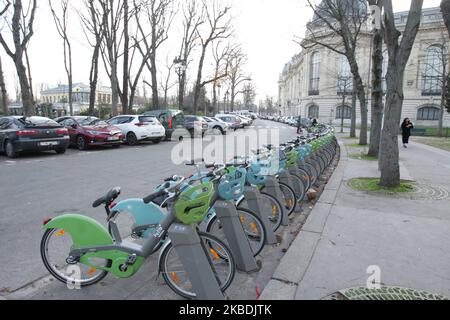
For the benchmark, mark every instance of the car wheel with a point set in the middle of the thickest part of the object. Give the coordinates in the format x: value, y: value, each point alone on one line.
x: 81, y: 143
x: 61, y: 151
x: 218, y: 130
x: 131, y: 139
x: 10, y: 150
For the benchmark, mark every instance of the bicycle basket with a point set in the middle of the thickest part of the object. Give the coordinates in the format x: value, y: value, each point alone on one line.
x: 231, y: 186
x: 193, y: 204
x: 254, y: 176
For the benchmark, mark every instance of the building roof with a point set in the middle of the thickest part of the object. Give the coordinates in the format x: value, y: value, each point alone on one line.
x: 77, y: 87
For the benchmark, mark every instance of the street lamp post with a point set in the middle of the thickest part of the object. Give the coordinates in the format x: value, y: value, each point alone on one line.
x: 180, y: 67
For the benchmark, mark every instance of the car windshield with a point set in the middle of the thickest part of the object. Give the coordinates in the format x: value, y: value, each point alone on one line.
x: 39, y: 122
x: 91, y: 122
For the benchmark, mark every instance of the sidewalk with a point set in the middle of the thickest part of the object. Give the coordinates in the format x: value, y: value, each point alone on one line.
x: 349, y: 231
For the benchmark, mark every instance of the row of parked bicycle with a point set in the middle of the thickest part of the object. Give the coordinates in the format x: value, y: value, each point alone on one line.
x: 35, y: 134
x: 139, y: 228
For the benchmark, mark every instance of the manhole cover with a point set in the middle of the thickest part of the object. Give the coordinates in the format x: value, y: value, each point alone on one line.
x: 385, y: 293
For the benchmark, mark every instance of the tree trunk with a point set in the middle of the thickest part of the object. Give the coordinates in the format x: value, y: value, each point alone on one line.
x: 399, y: 55
x: 181, y: 89
x: 93, y: 80
x: 198, y: 85
x: 445, y: 9
x: 155, y: 97
x: 342, y: 113
x: 361, y: 94
x: 389, y: 151
x: 353, y: 124
x: 377, y: 94
x: 3, y: 90
x: 126, y: 76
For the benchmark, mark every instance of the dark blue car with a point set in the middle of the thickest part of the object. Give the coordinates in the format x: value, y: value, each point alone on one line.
x: 19, y: 134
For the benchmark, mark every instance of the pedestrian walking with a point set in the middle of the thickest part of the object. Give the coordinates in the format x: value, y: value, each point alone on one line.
x: 299, y: 125
x: 315, y: 123
x: 407, y: 126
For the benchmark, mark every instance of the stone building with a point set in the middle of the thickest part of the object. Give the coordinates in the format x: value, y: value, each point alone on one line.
x: 314, y: 82
x: 59, y: 97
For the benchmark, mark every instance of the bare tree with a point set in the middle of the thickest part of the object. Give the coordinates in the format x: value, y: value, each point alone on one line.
x: 236, y: 75
x: 249, y: 93
x: 218, y: 28
x: 193, y: 18
x: 166, y: 83
x: 399, y: 53
x: 377, y: 108
x: 113, y: 11
x: 338, y: 25
x: 21, y: 27
x: 4, y: 93
x: 92, y: 23
x: 445, y: 9
x: 159, y: 15
x: 220, y: 54
x: 61, y: 22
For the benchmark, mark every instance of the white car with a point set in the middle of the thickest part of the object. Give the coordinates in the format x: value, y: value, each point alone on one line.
x: 216, y: 124
x: 139, y: 128
x: 246, y: 121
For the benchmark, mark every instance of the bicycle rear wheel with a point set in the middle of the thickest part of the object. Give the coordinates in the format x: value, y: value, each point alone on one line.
x: 222, y: 264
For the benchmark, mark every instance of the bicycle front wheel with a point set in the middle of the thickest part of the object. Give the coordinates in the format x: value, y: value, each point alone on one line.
x: 253, y: 227
x: 220, y: 258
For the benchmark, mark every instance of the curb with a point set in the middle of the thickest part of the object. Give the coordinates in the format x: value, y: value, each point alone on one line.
x: 294, y: 265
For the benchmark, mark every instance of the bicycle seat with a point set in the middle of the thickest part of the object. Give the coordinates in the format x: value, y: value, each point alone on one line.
x: 112, y: 195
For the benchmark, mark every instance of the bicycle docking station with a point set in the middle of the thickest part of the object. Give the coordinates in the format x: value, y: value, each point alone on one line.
x: 286, y: 178
x: 236, y: 238
x: 273, y: 188
x: 196, y: 262
x: 255, y: 203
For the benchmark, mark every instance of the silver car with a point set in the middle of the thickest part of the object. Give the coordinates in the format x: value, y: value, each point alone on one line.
x: 216, y: 125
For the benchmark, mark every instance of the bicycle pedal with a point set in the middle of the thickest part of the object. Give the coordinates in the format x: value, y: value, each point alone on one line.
x: 131, y: 260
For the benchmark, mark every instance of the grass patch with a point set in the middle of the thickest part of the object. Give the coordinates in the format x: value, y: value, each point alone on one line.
x: 372, y: 185
x: 440, y: 143
x: 363, y: 156
x: 356, y: 145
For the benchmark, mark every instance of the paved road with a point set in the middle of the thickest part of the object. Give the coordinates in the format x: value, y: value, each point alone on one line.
x: 38, y: 186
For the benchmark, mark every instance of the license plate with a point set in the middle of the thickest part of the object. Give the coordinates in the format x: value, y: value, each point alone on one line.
x: 113, y: 139
x: 47, y: 144
x: 156, y: 133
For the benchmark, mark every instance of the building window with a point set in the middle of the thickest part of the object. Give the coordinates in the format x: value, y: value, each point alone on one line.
x: 345, y: 78
x: 433, y: 67
x: 314, y: 74
x: 428, y: 113
x: 313, y: 112
x: 347, y: 112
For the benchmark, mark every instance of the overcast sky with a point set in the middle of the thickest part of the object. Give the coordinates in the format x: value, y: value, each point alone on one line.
x: 265, y: 28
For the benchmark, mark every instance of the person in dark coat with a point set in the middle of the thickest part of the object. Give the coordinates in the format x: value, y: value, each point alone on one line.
x: 407, y: 126
x: 315, y: 123
x: 299, y: 125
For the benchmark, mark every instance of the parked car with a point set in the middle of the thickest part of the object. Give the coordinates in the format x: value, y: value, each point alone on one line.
x: 246, y: 121
x: 18, y: 134
x: 139, y: 128
x: 217, y: 125
x: 86, y: 132
x: 197, y: 126
x: 173, y: 122
x: 234, y: 121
